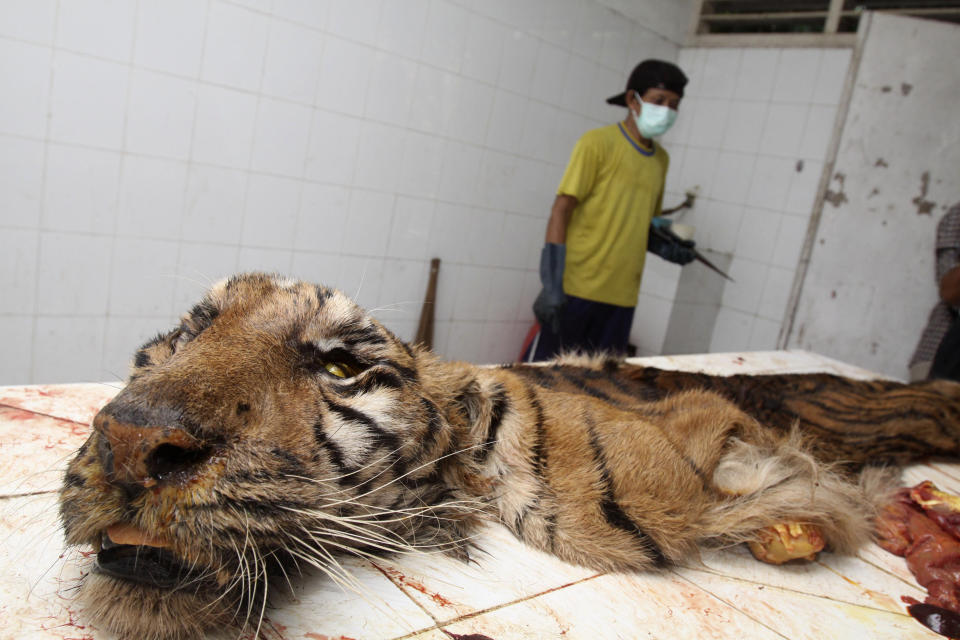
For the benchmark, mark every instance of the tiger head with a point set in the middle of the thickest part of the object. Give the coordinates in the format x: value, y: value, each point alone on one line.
x: 276, y: 426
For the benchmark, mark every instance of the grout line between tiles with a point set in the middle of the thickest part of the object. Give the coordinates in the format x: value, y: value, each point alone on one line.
x: 719, y: 574
x: 44, y: 175
x: 858, y: 585
x: 888, y: 572
x: 947, y: 471
x: 189, y: 164
x: 730, y: 604
x: 786, y: 590
x: 475, y: 614
x: 122, y: 168
x: 415, y: 601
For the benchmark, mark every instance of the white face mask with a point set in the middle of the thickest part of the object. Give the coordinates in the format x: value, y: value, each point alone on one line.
x: 654, y: 120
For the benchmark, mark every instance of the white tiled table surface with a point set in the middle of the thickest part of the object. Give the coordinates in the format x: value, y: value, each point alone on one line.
x: 508, y: 592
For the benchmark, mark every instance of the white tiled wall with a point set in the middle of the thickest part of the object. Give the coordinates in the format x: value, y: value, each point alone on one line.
x: 150, y: 147
x: 753, y: 133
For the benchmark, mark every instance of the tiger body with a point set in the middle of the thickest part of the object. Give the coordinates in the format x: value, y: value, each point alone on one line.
x: 279, y: 426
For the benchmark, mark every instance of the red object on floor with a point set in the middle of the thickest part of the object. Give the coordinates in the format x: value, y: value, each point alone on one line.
x: 528, y: 343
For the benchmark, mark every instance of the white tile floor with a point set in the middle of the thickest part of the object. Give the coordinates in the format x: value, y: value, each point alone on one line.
x: 509, y: 592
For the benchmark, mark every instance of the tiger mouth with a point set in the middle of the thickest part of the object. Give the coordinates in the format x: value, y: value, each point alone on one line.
x: 149, y: 562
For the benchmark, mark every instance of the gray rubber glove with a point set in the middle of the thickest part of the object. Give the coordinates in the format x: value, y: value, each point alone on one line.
x: 666, y: 244
x: 550, y: 302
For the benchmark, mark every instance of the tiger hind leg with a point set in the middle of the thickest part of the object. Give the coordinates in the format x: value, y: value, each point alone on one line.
x: 779, y: 497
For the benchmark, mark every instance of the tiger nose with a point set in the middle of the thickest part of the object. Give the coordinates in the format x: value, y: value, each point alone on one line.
x: 136, y: 457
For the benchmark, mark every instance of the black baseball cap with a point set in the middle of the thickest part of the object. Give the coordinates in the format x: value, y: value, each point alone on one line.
x: 657, y: 74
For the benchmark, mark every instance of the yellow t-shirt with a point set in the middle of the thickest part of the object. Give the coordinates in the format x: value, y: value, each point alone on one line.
x: 619, y: 189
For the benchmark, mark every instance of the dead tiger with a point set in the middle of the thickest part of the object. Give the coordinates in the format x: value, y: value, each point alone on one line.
x: 279, y: 425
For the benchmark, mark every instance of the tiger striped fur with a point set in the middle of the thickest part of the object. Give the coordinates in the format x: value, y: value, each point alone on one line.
x: 279, y: 425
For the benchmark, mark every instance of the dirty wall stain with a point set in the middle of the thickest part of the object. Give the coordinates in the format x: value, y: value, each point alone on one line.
x: 838, y: 197
x: 924, y: 206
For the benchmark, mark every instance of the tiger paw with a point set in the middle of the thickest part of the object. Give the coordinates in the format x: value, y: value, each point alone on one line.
x: 789, y: 541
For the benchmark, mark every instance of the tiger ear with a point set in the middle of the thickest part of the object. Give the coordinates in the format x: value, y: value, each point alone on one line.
x: 472, y: 402
x: 470, y: 397
x: 154, y: 351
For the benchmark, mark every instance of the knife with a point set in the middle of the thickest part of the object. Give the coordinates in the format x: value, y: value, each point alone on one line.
x: 667, y: 235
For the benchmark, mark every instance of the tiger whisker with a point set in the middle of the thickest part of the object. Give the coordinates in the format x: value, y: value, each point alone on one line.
x: 389, y: 454
x: 333, y: 563
x: 236, y: 581
x: 379, y: 541
x: 252, y: 569
x: 247, y: 584
x: 228, y: 588
x: 320, y: 548
x: 185, y: 278
x: 286, y: 577
x: 408, y: 473
x: 354, y: 526
x: 390, y: 306
x: 377, y: 461
x: 330, y: 567
x: 397, y: 544
x: 346, y: 475
x: 266, y: 588
x: 241, y: 579
x: 112, y: 385
x: 363, y: 523
x: 464, y: 506
x: 360, y: 552
x: 407, y: 547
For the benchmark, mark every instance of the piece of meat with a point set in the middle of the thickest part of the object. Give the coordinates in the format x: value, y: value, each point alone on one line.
x: 942, y: 508
x: 932, y: 554
x: 891, y: 524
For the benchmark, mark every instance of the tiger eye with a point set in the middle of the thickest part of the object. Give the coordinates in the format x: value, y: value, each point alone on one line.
x: 336, y: 369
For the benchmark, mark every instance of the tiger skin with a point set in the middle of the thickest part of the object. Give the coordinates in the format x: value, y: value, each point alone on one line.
x: 279, y: 425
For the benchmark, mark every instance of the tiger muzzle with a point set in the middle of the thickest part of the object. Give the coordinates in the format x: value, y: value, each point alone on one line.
x: 142, y: 456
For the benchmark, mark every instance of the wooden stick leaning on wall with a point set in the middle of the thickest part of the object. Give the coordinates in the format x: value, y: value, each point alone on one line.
x: 425, y: 330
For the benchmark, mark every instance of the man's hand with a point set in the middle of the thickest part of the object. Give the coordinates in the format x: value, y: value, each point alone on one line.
x: 669, y: 246
x: 550, y: 302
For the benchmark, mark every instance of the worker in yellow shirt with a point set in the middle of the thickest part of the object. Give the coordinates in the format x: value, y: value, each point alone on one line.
x: 598, y: 233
